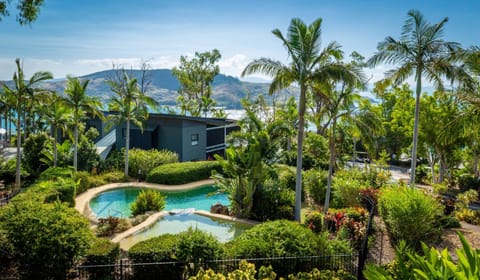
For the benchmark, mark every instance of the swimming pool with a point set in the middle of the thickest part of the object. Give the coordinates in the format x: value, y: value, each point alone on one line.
x: 117, y: 202
x: 223, y: 230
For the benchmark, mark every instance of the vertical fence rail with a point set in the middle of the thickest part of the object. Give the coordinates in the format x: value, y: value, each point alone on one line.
x: 362, y: 258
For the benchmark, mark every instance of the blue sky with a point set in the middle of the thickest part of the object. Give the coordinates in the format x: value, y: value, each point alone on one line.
x: 80, y: 37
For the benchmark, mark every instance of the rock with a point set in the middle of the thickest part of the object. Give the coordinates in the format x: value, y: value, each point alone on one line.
x: 219, y: 209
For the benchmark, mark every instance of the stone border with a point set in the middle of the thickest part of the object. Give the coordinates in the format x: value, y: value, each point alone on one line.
x: 82, y: 201
x: 82, y: 205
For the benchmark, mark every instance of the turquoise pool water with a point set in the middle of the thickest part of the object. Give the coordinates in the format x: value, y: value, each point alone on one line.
x: 223, y: 230
x: 117, y: 202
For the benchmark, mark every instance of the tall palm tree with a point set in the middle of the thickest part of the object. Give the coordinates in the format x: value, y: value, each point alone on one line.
x: 81, y: 104
x: 131, y: 104
x: 55, y: 113
x: 19, y: 93
x: 303, y: 47
x: 421, y: 51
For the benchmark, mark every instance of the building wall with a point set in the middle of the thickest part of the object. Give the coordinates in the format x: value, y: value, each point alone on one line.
x: 169, y: 135
x: 193, y: 150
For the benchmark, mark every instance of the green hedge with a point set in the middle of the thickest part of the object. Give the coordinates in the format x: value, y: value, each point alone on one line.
x: 182, y: 172
x: 157, y: 249
x: 141, y: 162
x: 102, y: 252
x: 62, y: 189
x: 88, y: 181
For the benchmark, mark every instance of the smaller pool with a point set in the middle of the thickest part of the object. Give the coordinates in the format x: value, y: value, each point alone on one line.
x: 117, y: 202
x: 223, y: 230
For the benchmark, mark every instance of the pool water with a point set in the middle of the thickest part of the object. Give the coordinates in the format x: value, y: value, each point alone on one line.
x: 223, y: 230
x: 117, y: 202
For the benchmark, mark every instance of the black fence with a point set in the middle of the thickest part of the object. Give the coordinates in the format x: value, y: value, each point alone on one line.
x: 126, y: 270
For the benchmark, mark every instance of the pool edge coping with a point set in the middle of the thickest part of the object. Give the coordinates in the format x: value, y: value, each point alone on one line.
x: 82, y: 201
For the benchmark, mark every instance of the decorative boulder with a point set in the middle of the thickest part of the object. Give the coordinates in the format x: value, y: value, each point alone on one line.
x: 219, y: 209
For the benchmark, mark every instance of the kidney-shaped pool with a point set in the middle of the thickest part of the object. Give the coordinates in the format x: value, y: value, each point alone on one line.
x: 116, y: 202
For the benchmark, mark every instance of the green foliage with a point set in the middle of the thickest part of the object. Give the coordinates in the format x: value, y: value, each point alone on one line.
x: 88, y: 181
x: 141, y: 162
x: 281, y: 238
x: 33, y: 149
x: 409, y: 214
x: 114, y: 161
x: 182, y: 172
x: 315, y: 183
x: 196, y: 246
x: 314, y: 221
x: 273, y: 201
x: 345, y: 192
x: 196, y: 77
x: 8, y: 170
x: 110, y: 225
x: 431, y: 264
x: 157, y: 249
x: 102, y: 252
x: 467, y: 182
x: 53, y: 173
x: 316, y: 274
x: 61, y: 189
x: 147, y: 200
x: 350, y: 224
x: 87, y: 152
x: 47, y: 239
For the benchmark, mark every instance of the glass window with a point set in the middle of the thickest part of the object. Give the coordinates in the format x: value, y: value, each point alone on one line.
x: 194, y: 139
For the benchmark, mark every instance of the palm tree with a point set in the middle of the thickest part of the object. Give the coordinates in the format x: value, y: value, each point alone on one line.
x: 131, y: 104
x: 420, y: 51
x: 19, y: 94
x: 303, y: 47
x: 81, y: 104
x: 58, y: 116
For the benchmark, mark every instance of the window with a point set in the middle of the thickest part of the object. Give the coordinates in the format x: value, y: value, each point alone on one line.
x: 194, y: 139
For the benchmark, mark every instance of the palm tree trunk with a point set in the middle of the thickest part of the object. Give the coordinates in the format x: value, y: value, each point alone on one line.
x: 415, y: 126
x: 330, y: 168
x: 19, y: 144
x: 55, y: 132
x: 301, y: 125
x: 75, y: 148
x: 127, y: 145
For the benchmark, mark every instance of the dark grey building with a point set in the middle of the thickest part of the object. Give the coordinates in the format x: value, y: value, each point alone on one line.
x: 192, y: 138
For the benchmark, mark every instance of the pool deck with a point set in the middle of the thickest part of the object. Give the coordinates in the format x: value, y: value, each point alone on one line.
x: 82, y: 205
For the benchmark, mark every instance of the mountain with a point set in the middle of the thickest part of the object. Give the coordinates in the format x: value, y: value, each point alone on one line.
x: 227, y: 90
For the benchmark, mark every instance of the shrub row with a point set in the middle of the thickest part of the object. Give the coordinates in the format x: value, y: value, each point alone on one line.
x: 182, y: 172
x: 141, y: 162
x: 269, y: 239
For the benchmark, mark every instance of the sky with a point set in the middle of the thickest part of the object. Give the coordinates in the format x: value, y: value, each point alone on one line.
x: 76, y: 38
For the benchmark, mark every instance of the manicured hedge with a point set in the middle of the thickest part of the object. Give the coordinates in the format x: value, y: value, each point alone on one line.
x: 182, y: 172
x: 157, y: 249
x: 102, y: 252
x: 88, y: 181
x: 49, y: 191
x: 141, y: 162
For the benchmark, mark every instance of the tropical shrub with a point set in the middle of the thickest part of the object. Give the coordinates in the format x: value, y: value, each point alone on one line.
x: 409, y: 214
x: 314, y: 221
x: 349, y: 224
x: 114, y: 161
x: 102, y: 252
x: 141, y: 162
x: 467, y: 182
x: 369, y: 196
x: 110, y: 225
x: 273, y: 201
x: 315, y: 183
x: 196, y: 246
x: 182, y: 172
x: 87, y: 151
x: 345, y: 192
x: 431, y: 264
x: 147, y: 200
x: 32, y: 153
x: 157, y: 249
x: 8, y: 170
x: 47, y: 239
x: 61, y: 189
x: 53, y: 173
x: 87, y: 181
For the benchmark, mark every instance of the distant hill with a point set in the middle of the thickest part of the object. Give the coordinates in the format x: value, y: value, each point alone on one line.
x: 227, y: 90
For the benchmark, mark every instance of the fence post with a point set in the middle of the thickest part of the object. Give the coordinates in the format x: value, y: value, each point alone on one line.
x: 362, y: 258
